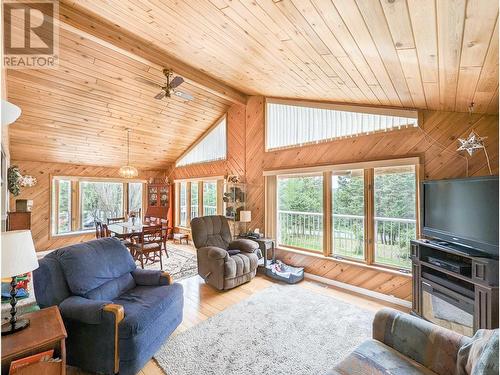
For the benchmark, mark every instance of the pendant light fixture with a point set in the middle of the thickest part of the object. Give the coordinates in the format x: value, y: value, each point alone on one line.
x: 128, y: 171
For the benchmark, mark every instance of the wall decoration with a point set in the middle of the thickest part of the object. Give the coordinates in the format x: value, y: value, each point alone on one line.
x: 27, y: 181
x: 13, y: 180
x: 233, y: 179
x: 16, y: 180
x: 473, y: 142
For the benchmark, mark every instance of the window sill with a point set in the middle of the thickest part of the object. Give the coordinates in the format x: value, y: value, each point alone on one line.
x: 346, y: 261
x: 71, y: 234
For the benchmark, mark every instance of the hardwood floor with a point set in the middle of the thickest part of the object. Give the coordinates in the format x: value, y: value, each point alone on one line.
x: 202, y: 301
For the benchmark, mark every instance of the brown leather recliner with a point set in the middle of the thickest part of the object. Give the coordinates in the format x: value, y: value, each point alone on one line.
x: 212, y: 238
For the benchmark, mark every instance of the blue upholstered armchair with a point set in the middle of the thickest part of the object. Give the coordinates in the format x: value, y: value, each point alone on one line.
x: 116, y: 315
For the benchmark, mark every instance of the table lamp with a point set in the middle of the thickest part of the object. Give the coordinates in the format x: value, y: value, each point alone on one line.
x: 245, y: 217
x: 18, y: 257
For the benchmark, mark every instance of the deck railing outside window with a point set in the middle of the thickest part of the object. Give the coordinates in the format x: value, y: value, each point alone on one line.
x: 301, y: 229
x: 209, y: 210
x: 183, y: 215
x: 348, y: 235
x: 393, y: 240
x: 194, y: 211
x: 305, y: 230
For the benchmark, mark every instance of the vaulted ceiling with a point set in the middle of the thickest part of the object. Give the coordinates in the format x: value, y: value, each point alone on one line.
x: 428, y: 54
x: 436, y: 54
x: 79, y: 112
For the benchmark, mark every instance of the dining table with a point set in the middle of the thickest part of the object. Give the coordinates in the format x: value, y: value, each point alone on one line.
x: 127, y: 229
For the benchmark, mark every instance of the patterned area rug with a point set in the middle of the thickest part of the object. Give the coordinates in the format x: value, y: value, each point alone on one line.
x: 281, y: 330
x: 180, y: 264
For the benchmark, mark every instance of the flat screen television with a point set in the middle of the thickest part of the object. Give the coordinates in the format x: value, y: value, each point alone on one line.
x: 462, y: 211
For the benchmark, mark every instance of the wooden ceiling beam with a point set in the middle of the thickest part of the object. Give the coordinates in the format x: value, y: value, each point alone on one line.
x: 90, y: 26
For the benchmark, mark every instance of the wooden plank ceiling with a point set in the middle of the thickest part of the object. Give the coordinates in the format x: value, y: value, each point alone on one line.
x: 79, y: 112
x: 429, y: 54
x: 425, y: 54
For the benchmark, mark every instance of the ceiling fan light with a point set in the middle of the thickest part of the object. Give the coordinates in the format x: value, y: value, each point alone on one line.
x: 128, y: 171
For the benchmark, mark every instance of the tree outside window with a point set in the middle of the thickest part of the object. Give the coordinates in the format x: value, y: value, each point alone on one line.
x: 100, y: 201
x: 300, y: 212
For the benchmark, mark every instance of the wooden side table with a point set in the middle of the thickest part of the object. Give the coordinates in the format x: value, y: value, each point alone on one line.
x: 45, y: 332
x: 265, y: 244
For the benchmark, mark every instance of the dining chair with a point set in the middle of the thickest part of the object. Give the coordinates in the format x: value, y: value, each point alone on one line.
x: 105, y: 231
x: 148, y: 244
x: 112, y: 220
x: 136, y: 213
x: 98, y: 228
x: 151, y: 220
x: 165, y: 228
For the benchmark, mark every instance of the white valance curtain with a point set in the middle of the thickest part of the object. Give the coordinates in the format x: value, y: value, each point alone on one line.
x: 288, y: 124
x: 212, y: 147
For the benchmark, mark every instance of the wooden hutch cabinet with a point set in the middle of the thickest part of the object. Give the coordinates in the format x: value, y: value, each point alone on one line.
x: 158, y: 200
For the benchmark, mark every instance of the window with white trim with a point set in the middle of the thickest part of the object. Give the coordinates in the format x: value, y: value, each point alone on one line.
x: 289, y: 124
x: 209, y: 198
x: 77, y: 202
x: 212, y: 147
x: 363, y: 212
x: 183, y: 204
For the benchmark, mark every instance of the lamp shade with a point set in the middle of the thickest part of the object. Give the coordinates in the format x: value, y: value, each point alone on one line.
x: 245, y: 216
x: 18, y: 253
x: 10, y: 112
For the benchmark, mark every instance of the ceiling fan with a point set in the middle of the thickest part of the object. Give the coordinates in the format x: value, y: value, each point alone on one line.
x: 170, y: 86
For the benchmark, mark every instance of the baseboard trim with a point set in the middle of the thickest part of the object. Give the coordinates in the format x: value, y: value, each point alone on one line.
x: 359, y: 290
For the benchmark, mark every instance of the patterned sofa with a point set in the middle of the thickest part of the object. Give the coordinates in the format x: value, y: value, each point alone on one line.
x: 406, y: 345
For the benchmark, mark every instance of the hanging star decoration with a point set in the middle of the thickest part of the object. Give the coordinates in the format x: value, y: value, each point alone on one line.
x: 473, y: 143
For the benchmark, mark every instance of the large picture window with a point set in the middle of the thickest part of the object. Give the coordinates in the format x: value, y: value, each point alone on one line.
x: 77, y: 202
x: 364, y: 212
x: 100, y: 200
x: 64, y: 207
x: 195, y: 198
x: 395, y: 218
x: 348, y: 213
x: 209, y: 198
x: 183, y: 204
x: 135, y: 197
x: 300, y: 212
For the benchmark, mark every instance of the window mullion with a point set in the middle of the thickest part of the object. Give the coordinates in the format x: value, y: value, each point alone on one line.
x: 369, y: 217
x: 218, y: 197
x: 125, y: 200
x: 178, y: 203
x: 327, y: 214
x: 200, y: 198
x: 188, y: 204
x: 75, y: 206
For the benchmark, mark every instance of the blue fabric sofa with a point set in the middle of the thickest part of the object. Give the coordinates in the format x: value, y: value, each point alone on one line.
x: 116, y: 315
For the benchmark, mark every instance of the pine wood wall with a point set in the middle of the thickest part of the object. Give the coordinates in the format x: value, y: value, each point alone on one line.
x: 40, y: 194
x: 435, y: 143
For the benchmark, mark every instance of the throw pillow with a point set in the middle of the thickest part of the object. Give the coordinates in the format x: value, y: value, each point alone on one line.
x: 480, y: 355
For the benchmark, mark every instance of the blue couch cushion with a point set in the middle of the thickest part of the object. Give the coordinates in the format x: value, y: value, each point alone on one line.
x: 113, y: 288
x: 143, y: 306
x: 49, y: 282
x: 91, y: 264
